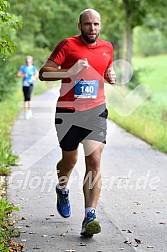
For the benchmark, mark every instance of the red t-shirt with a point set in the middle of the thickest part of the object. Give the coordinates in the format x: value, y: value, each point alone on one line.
x: 84, y: 90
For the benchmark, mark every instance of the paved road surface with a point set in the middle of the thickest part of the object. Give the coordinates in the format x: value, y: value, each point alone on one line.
x: 132, y: 207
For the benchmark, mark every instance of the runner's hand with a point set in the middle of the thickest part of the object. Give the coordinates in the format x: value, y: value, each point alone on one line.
x: 110, y: 75
x: 78, y: 66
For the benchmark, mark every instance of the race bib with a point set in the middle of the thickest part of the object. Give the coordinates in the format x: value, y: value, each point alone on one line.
x: 86, y: 89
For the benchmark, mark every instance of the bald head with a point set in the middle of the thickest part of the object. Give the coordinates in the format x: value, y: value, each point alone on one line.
x: 88, y: 11
x: 89, y: 25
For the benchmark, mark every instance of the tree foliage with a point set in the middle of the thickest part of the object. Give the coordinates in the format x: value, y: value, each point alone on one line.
x: 46, y: 24
x: 8, y: 24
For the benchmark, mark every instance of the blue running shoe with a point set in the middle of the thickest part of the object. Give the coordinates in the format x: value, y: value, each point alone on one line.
x: 63, y: 203
x: 90, y: 225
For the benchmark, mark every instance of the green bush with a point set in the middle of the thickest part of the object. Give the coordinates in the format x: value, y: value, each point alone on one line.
x: 39, y: 55
x: 149, y: 42
x: 7, y: 79
x: 7, y: 229
x: 6, y: 157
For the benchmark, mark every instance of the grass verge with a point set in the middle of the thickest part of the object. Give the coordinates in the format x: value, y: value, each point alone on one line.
x: 9, y: 110
x: 149, y: 121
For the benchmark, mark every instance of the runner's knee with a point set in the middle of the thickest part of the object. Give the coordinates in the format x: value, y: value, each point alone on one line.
x: 93, y: 163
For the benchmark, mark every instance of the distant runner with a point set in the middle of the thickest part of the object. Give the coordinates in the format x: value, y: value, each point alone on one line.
x: 29, y: 73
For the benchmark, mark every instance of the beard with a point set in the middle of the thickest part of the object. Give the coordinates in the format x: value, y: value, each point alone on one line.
x: 88, y: 39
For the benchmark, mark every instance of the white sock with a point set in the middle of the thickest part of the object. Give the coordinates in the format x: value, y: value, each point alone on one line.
x: 89, y: 209
x: 63, y: 189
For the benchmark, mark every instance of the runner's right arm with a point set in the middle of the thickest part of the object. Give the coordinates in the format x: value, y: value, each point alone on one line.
x: 51, y: 71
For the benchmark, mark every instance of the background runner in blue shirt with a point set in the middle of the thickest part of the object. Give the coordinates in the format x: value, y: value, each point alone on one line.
x: 29, y: 73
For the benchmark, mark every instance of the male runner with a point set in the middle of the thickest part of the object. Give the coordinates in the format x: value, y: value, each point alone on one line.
x: 82, y: 62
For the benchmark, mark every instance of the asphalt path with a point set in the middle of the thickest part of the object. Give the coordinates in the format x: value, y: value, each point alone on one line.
x: 132, y: 207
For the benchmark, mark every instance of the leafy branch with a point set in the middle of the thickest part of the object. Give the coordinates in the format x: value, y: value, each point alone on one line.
x: 8, y: 24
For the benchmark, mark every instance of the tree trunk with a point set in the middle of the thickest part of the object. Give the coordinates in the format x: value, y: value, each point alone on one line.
x: 127, y: 42
x: 117, y: 50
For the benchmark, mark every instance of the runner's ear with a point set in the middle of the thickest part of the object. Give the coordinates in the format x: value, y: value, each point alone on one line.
x: 79, y: 26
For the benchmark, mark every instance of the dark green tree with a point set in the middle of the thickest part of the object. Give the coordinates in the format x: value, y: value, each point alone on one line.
x: 8, y: 25
x: 44, y: 24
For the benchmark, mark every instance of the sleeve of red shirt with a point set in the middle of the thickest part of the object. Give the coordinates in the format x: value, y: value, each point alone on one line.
x: 60, y: 52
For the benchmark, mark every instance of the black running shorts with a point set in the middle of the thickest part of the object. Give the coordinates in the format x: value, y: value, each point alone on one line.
x: 74, y: 126
x: 27, y: 92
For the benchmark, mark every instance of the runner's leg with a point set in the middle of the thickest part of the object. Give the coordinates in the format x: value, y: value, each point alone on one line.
x: 92, y: 180
x: 65, y: 166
